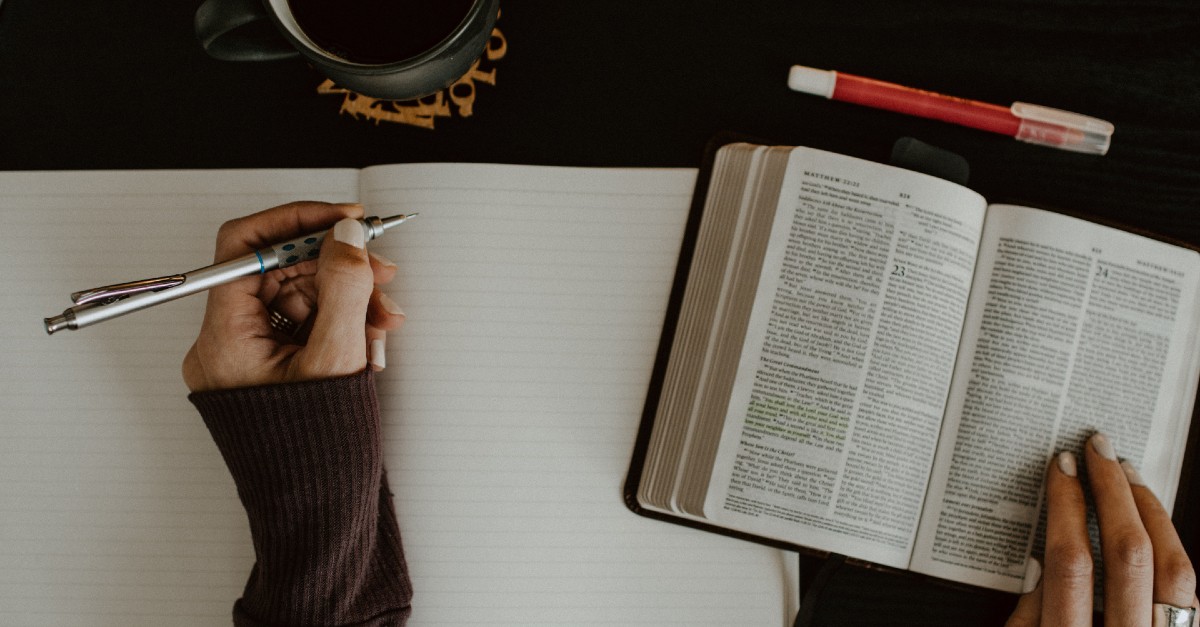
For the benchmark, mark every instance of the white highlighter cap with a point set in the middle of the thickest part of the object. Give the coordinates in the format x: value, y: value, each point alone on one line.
x: 812, y: 81
x: 1062, y: 129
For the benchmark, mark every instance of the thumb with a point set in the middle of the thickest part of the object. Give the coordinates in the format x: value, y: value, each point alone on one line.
x: 337, y: 343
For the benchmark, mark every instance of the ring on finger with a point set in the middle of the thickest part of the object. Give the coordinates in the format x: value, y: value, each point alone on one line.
x: 1166, y: 615
x: 282, y: 323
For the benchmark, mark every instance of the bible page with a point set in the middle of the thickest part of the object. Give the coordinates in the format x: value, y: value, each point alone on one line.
x: 1073, y: 328
x: 840, y: 391
x: 535, y: 300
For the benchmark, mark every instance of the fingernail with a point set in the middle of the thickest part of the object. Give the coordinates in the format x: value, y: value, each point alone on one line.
x: 390, y: 305
x: 383, y: 261
x: 350, y: 231
x: 1132, y: 474
x: 1033, y: 575
x: 1066, y: 463
x: 378, y: 354
x: 1104, y: 447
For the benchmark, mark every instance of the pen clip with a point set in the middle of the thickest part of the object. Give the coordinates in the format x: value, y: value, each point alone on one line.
x: 110, y: 293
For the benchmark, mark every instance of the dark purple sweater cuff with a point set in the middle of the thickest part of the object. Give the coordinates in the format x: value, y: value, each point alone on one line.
x: 308, y: 463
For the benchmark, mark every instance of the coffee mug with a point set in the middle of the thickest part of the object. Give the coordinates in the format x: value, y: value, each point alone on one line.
x: 390, y: 49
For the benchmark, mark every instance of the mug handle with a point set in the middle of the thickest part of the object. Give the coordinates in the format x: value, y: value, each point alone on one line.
x: 240, y: 30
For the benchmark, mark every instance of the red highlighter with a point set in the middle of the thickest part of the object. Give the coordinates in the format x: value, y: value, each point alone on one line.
x: 1027, y: 122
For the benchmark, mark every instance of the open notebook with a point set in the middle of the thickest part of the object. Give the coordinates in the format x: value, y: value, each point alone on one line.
x: 535, y: 298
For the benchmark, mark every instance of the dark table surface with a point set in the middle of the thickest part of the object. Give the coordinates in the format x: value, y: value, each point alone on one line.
x: 124, y: 85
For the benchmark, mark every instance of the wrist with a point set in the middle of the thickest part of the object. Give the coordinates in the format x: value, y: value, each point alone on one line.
x: 286, y: 444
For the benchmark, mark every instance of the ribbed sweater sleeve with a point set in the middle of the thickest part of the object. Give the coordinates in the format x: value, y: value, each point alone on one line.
x: 307, y: 460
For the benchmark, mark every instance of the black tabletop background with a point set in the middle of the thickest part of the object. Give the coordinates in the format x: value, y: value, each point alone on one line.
x: 122, y: 84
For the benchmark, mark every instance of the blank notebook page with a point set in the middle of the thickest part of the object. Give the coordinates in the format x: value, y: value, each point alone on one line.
x: 535, y: 299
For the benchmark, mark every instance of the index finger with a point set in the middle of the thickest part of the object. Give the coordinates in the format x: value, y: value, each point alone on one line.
x: 249, y: 233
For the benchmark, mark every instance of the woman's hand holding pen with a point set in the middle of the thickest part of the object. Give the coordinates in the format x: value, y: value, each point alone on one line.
x: 341, y: 316
x: 1145, y: 564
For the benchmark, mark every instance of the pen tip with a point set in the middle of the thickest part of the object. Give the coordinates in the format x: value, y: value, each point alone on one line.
x: 391, y: 221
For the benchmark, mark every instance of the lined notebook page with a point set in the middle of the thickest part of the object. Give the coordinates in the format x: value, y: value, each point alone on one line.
x: 535, y: 299
x: 115, y: 506
x: 534, y: 302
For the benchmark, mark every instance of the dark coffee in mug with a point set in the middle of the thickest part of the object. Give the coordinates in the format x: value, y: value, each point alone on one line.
x: 378, y: 31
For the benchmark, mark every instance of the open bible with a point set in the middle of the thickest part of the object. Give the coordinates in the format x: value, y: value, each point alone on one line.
x: 871, y: 361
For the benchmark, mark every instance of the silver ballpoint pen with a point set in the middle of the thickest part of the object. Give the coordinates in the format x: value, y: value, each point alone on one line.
x: 107, y: 302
